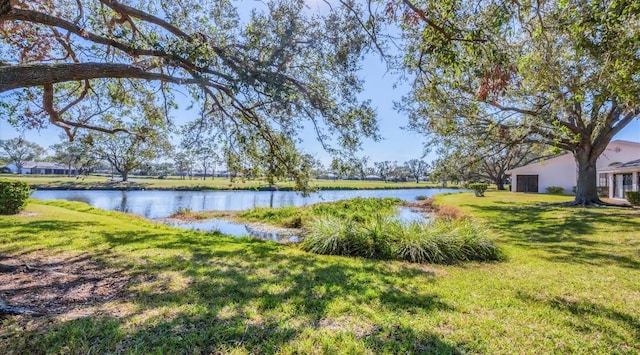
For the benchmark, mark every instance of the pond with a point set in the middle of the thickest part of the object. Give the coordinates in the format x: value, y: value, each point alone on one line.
x: 159, y: 204
x: 239, y: 229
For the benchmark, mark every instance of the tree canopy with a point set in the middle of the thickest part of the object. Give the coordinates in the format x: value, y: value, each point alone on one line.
x: 20, y: 151
x: 96, y: 64
x: 565, y: 73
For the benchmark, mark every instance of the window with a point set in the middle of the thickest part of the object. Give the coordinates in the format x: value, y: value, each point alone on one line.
x: 627, y: 182
x: 603, y: 179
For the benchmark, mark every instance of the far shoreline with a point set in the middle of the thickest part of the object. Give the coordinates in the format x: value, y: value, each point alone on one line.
x: 175, y: 183
x: 261, y: 188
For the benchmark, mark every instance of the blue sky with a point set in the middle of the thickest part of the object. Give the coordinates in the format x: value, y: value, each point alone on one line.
x: 397, y: 144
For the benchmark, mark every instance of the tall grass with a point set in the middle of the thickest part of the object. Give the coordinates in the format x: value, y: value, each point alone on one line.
x: 357, y: 210
x: 442, y: 241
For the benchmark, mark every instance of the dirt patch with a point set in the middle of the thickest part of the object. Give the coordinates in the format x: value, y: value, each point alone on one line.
x: 61, y: 286
x: 27, y: 214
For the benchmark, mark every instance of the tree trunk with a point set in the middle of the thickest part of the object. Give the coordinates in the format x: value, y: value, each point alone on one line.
x: 417, y: 179
x: 125, y: 176
x: 586, y: 187
x: 499, y: 183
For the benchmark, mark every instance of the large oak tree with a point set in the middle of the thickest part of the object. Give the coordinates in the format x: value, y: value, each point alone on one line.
x: 261, y: 77
x: 565, y: 73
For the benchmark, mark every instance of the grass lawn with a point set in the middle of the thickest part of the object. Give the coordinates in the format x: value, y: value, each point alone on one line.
x: 173, y: 182
x: 570, y: 285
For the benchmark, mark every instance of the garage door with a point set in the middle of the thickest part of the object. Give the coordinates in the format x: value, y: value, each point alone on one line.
x: 527, y: 183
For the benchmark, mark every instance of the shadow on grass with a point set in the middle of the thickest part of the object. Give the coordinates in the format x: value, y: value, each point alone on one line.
x: 587, y: 317
x: 208, y: 293
x: 569, y: 234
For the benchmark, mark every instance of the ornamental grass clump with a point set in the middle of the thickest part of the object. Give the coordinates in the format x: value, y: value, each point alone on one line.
x: 441, y: 241
x: 332, y: 236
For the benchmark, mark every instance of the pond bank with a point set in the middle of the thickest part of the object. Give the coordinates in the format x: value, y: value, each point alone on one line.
x: 142, y: 187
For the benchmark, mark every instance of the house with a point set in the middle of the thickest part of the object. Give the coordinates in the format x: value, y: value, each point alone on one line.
x: 612, y: 169
x: 44, y: 168
x: 623, y: 177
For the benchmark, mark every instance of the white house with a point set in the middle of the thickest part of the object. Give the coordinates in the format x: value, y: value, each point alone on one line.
x: 33, y: 167
x: 623, y: 177
x: 562, y: 171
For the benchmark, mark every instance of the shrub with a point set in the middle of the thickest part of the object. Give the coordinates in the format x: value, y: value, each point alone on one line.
x: 332, y: 236
x: 633, y: 197
x: 443, y: 241
x: 422, y: 198
x: 603, y: 191
x: 478, y: 189
x: 13, y: 196
x: 181, y: 212
x: 555, y: 190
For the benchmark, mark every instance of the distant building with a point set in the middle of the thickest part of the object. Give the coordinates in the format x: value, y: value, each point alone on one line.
x: 36, y: 167
x: 618, y: 169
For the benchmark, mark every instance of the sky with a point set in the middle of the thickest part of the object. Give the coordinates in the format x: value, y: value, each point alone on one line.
x: 381, y: 87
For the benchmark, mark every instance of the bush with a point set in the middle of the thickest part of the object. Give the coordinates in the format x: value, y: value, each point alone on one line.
x: 182, y: 211
x: 478, y: 189
x: 555, y: 190
x: 422, y: 197
x: 633, y: 197
x: 13, y: 196
x: 443, y: 241
x: 603, y: 191
x: 331, y: 236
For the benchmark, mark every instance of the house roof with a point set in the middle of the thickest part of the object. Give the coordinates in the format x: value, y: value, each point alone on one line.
x: 633, y: 165
x: 42, y: 165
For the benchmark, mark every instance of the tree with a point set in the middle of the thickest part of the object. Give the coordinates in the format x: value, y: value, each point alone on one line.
x: 352, y: 166
x: 127, y: 152
x: 183, y: 164
x: 561, y: 73
x: 19, y: 151
x: 416, y: 168
x: 255, y: 78
x: 199, y: 138
x: 73, y: 154
x: 383, y: 169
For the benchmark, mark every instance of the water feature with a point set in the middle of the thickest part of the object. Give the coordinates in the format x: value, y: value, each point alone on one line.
x: 235, y: 229
x: 158, y: 204
x: 155, y: 204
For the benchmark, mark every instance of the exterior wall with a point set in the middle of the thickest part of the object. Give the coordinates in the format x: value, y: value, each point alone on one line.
x: 562, y: 171
x: 37, y: 170
x: 618, y: 151
x: 559, y: 171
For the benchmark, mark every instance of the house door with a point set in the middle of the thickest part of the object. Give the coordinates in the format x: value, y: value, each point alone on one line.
x: 527, y: 183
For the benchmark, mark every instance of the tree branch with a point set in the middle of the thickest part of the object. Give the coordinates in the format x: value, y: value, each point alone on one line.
x: 27, y: 75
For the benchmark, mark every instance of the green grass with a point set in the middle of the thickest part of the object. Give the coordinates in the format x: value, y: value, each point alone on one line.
x: 356, y: 209
x: 569, y: 285
x: 175, y: 183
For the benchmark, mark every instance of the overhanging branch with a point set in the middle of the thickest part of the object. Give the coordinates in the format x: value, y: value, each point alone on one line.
x: 29, y: 75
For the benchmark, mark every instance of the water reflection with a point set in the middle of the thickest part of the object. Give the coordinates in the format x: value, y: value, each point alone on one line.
x: 158, y: 204
x: 406, y: 214
x: 235, y: 229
